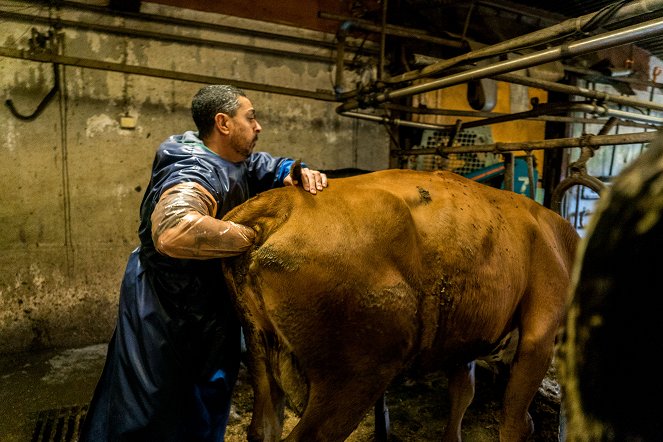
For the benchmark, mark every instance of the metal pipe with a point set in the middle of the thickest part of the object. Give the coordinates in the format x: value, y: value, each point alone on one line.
x: 159, y: 36
x: 539, y: 37
x: 398, y: 31
x: 196, y: 24
x: 483, y: 114
x: 574, y: 90
x: 606, y: 111
x: 161, y: 73
x: 609, y: 39
x: 539, y: 111
x: 395, y: 121
x: 383, y: 40
x: 509, y: 170
x: 588, y: 140
x: 341, y: 36
x: 590, y: 108
x: 521, y: 10
x: 543, y: 109
x: 631, y: 81
x: 530, y: 175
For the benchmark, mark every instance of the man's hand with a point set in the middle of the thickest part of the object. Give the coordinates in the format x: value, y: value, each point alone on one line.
x: 312, y: 180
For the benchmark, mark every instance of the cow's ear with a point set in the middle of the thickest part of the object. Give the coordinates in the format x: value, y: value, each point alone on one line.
x: 296, y: 171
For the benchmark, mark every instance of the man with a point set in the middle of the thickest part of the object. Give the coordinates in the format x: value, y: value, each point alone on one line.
x: 174, y: 356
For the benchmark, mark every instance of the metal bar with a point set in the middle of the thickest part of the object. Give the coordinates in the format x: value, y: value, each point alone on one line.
x: 589, y: 140
x: 596, y: 110
x: 154, y: 18
x: 340, y: 57
x: 169, y: 37
x: 383, y: 40
x: 522, y: 10
x: 539, y: 37
x: 589, y: 108
x: 573, y: 90
x: 482, y: 114
x: 609, y: 39
x: 509, y: 166
x: 538, y: 112
x: 161, y: 73
x: 530, y: 175
x: 628, y: 80
x: 398, y: 31
x: 395, y: 121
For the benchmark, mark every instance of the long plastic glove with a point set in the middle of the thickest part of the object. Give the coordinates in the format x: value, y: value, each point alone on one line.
x: 183, y: 226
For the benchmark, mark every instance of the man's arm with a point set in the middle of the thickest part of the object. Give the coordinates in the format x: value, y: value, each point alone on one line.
x: 183, y: 226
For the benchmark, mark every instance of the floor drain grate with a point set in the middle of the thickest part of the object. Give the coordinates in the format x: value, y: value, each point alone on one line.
x: 59, y: 425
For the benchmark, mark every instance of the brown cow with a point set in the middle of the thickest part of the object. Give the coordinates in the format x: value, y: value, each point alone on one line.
x: 389, y: 271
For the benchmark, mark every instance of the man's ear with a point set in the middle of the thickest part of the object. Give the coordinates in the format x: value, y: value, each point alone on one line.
x: 221, y: 121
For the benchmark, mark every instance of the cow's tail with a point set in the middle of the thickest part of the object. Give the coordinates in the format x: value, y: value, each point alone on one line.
x: 264, y: 213
x: 290, y: 377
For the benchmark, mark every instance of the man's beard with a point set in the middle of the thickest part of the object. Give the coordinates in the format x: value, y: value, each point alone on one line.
x: 243, y: 148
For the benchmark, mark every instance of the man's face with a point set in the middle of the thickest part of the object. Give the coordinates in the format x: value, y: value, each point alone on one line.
x: 244, y: 128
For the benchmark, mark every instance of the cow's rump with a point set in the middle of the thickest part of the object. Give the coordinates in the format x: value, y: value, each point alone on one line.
x: 390, y: 270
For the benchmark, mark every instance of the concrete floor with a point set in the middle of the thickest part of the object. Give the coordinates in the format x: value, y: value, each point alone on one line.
x: 39, y: 388
x: 43, y: 396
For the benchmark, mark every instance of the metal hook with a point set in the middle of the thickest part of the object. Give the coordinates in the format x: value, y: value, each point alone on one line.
x: 10, y: 104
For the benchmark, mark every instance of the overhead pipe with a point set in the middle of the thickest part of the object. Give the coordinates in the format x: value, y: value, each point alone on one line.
x: 341, y: 37
x: 341, y: 51
x: 609, y: 39
x: 630, y: 81
x: 383, y: 40
x: 172, y: 38
x: 396, y: 121
x: 521, y: 10
x: 622, y: 115
x: 161, y: 73
x: 482, y: 114
x: 576, y: 90
x: 544, y: 109
x: 197, y: 24
x: 566, y: 27
x: 398, y: 31
x: 498, y: 148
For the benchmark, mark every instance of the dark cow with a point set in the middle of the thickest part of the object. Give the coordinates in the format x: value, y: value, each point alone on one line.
x: 389, y: 271
x: 611, y: 388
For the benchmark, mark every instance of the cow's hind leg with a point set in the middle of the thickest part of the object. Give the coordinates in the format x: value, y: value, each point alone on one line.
x: 335, y: 409
x: 529, y: 367
x: 268, y: 398
x: 461, y: 393
x: 268, y: 410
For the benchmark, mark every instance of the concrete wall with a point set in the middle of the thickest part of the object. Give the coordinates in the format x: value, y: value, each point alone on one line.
x: 72, y: 179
